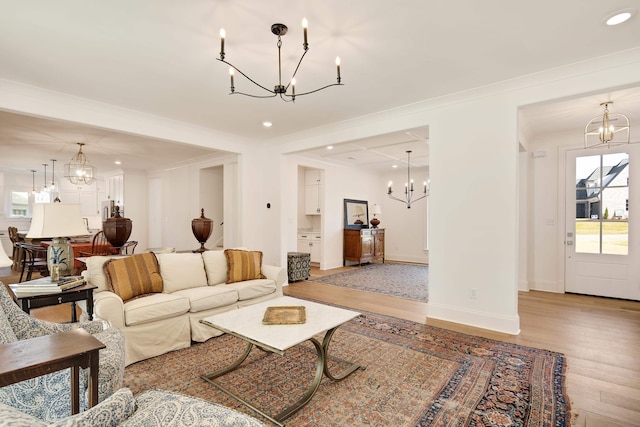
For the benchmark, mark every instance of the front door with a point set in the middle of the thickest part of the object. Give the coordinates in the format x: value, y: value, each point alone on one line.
x: 602, y: 240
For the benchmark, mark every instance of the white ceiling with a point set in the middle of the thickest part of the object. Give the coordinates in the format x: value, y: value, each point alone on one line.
x: 159, y: 57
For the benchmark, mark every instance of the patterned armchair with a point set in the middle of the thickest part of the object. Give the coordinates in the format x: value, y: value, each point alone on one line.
x: 150, y: 409
x: 48, y: 397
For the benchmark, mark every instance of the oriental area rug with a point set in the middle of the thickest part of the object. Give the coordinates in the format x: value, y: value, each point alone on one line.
x: 415, y: 375
x: 400, y: 280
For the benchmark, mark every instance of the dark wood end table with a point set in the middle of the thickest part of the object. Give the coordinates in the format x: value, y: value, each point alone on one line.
x: 84, y: 292
x: 26, y: 359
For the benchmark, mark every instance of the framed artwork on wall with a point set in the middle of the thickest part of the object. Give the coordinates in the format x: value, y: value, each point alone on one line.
x: 356, y: 214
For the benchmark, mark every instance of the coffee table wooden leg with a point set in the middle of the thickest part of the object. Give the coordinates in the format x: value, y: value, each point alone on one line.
x: 75, y: 389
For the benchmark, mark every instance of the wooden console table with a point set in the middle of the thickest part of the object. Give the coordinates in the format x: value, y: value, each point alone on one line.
x: 364, y: 245
x: 84, y: 292
x: 75, y: 349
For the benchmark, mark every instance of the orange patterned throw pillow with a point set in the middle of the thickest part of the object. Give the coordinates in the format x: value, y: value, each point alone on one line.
x: 134, y: 276
x: 243, y: 265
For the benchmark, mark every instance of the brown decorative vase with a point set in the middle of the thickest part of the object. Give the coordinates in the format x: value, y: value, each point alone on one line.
x: 374, y: 222
x: 202, y: 228
x: 117, y: 229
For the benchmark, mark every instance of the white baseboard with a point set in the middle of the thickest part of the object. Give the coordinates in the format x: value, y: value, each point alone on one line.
x: 479, y: 319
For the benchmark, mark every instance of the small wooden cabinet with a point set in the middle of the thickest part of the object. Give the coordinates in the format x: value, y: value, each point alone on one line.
x: 364, y: 245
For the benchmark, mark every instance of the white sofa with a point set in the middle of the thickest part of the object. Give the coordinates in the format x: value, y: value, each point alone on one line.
x: 193, y: 288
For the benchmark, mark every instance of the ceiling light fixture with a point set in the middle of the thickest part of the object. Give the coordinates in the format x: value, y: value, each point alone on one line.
x: 618, y: 18
x: 267, y: 124
x: 604, y: 129
x: 45, y: 177
x: 33, y: 181
x: 53, y: 175
x: 79, y: 170
x: 408, y: 187
x: 279, y: 89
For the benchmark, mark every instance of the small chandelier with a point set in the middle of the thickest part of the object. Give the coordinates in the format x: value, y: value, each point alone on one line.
x: 287, y: 92
x: 606, y: 132
x: 79, y: 170
x: 408, y: 187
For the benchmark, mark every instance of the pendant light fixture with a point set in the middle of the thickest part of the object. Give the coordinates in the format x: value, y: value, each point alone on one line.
x: 45, y: 177
x: 408, y: 187
x: 33, y: 181
x: 610, y: 129
x: 79, y: 171
x: 287, y: 91
x: 53, y: 175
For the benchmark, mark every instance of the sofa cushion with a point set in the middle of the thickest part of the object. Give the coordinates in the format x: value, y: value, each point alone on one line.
x: 182, y: 271
x: 249, y: 289
x: 206, y: 297
x: 154, y: 307
x: 243, y: 265
x: 134, y: 276
x: 215, y: 264
x: 95, y: 274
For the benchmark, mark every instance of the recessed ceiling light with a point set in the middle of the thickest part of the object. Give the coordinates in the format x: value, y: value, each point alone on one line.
x: 619, y: 17
x: 329, y: 147
x: 267, y: 124
x: 394, y: 166
x: 118, y: 162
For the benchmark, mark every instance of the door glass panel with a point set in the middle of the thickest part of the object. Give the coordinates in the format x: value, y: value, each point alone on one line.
x: 602, y: 194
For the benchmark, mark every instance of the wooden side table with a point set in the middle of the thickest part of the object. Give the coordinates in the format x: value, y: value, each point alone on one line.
x: 26, y: 359
x: 84, y: 292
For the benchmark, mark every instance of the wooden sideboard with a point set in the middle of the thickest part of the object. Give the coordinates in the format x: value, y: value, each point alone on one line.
x: 364, y: 245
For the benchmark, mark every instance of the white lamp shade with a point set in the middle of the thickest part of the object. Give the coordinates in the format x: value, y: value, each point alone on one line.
x: 375, y: 210
x: 4, y: 259
x: 51, y: 220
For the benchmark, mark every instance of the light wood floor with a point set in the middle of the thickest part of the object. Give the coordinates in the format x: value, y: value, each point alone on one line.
x: 600, y: 338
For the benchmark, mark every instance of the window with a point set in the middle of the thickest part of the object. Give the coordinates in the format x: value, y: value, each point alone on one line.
x: 19, y: 204
x: 602, y: 204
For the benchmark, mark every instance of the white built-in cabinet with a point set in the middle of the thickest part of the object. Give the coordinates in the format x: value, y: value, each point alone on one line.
x: 310, y: 243
x: 313, y: 192
x: 88, y: 196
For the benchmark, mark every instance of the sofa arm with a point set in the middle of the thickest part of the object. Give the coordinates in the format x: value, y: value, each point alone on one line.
x: 277, y: 274
x: 109, y: 306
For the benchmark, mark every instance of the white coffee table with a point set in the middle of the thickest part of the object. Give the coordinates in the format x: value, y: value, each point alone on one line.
x: 246, y: 324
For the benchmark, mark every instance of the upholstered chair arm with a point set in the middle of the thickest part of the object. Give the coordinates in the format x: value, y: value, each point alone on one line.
x: 111, y: 412
x: 277, y: 274
x: 109, y: 306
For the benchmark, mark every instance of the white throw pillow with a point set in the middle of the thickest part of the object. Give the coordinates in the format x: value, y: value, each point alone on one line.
x: 94, y: 273
x: 215, y: 264
x: 182, y: 271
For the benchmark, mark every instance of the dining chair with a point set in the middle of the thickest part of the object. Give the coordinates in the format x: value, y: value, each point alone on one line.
x: 34, y: 259
x: 16, y: 256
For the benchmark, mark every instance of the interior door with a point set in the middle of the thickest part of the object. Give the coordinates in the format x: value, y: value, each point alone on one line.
x: 602, y: 242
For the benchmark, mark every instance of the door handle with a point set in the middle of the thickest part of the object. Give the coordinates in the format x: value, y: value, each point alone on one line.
x: 569, y: 243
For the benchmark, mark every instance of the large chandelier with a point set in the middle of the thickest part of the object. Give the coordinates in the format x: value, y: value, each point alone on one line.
x: 286, y: 91
x: 79, y: 170
x: 606, y: 131
x: 408, y: 187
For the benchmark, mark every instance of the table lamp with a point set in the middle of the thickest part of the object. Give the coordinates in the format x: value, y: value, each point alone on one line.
x: 4, y: 259
x: 58, y: 222
x: 375, y: 210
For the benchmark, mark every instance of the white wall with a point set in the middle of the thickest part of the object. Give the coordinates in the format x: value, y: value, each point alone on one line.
x: 474, y: 179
